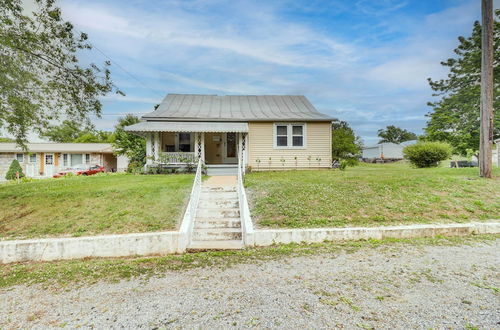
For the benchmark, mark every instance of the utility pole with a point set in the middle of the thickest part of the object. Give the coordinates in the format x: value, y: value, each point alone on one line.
x: 486, y: 136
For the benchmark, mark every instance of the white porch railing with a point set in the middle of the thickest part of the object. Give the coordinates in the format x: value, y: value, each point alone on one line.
x: 246, y: 220
x: 188, y: 220
x: 177, y: 158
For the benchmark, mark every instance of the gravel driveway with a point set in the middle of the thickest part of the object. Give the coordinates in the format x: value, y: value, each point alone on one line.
x: 407, y: 286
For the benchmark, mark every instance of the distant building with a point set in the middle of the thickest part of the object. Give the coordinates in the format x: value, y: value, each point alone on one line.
x: 386, y: 150
x: 45, y: 159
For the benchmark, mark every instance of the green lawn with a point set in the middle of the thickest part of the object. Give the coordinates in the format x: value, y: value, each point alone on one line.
x: 77, y: 206
x: 372, y: 195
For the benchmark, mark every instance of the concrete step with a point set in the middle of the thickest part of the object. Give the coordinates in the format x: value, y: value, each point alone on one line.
x: 218, y: 203
x: 215, y: 245
x: 213, y: 195
x: 218, y: 189
x: 205, y: 223
x: 218, y: 212
x: 226, y: 170
x: 216, y: 234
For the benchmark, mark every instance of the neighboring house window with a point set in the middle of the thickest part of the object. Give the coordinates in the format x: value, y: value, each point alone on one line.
x: 76, y: 159
x: 49, y: 159
x: 289, y: 135
x: 32, y: 158
x: 87, y: 158
x: 65, y: 160
x: 20, y: 158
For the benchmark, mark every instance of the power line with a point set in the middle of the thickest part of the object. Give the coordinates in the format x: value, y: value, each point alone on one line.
x: 127, y: 72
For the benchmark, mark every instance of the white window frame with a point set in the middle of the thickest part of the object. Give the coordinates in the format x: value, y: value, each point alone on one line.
x: 87, y: 159
x: 289, y: 139
x: 17, y: 154
x: 32, y: 155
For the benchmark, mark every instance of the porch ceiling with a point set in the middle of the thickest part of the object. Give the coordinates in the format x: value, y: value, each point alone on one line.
x: 180, y: 126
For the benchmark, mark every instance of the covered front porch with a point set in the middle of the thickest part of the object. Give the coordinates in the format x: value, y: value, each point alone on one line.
x: 181, y: 143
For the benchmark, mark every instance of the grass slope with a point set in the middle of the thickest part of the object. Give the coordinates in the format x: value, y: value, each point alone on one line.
x: 78, y: 206
x: 372, y: 195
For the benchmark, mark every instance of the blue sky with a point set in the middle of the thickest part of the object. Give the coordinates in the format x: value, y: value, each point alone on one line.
x: 362, y: 61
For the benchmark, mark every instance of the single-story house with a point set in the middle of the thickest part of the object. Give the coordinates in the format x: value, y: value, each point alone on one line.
x: 45, y: 159
x: 386, y: 150
x: 265, y: 132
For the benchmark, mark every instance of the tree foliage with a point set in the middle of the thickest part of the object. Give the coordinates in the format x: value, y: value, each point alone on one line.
x: 427, y: 154
x: 41, y: 79
x: 455, y: 115
x: 13, y: 169
x: 128, y: 144
x: 395, y: 135
x: 345, y: 144
x: 71, y: 131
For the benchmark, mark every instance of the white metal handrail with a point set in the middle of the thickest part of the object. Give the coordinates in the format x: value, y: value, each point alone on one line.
x: 190, y: 214
x: 246, y: 220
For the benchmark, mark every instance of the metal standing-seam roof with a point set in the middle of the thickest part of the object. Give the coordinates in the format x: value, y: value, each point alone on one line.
x: 194, y: 107
x: 59, y: 147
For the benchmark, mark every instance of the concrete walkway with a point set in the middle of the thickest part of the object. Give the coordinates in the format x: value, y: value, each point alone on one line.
x: 221, y: 181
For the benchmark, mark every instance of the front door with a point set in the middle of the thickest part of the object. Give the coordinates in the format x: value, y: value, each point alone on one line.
x: 229, y: 149
x: 48, y: 165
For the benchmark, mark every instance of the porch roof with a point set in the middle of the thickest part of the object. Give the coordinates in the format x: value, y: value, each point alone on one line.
x: 190, y: 126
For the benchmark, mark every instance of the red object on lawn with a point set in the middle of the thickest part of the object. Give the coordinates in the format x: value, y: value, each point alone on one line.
x: 81, y: 170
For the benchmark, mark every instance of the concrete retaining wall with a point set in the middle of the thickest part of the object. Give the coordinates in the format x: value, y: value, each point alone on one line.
x: 162, y: 243
x: 316, y: 235
x: 93, y: 246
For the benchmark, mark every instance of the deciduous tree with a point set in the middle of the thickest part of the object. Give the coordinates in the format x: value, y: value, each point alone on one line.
x: 41, y: 78
x: 395, y: 135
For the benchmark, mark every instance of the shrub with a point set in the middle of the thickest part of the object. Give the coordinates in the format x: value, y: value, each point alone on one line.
x: 13, y: 168
x: 135, y: 167
x: 427, y: 154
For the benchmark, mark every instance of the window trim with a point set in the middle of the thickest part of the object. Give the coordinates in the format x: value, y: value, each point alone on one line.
x: 290, y: 135
x: 15, y: 156
x: 29, y: 158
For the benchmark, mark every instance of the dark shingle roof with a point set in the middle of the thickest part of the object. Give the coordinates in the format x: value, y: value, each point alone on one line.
x: 194, y: 107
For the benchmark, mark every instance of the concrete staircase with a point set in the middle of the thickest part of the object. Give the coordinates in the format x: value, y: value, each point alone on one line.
x: 217, y: 225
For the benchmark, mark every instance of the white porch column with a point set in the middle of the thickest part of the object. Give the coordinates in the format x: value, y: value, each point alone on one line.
x: 156, y: 146
x: 245, y: 149
x: 149, y: 148
x: 199, y: 138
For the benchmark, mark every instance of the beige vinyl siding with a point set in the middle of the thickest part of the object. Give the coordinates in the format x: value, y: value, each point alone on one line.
x: 261, y: 146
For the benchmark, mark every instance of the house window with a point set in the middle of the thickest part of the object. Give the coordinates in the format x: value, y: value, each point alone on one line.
x: 65, y: 160
x: 32, y: 158
x: 298, y: 135
x: 289, y: 135
x: 20, y: 158
x: 87, y: 158
x: 185, y: 142
x: 281, y: 135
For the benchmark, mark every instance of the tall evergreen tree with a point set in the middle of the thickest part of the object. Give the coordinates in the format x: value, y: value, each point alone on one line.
x: 455, y: 115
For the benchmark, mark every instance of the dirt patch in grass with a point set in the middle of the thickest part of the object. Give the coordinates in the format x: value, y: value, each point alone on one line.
x: 92, y: 205
x: 371, y: 195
